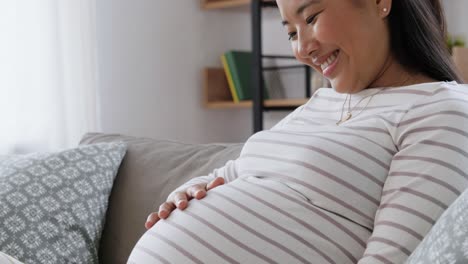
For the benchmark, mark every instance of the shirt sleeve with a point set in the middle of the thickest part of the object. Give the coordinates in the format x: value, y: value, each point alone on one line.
x: 429, y: 171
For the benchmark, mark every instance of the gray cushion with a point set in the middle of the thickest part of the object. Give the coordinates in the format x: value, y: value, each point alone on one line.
x: 150, y: 171
x: 52, y: 205
x: 447, y: 241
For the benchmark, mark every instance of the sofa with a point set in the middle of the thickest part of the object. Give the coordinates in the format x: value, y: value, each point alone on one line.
x: 152, y: 168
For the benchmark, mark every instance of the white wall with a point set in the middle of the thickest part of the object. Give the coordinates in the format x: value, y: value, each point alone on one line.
x: 457, y: 18
x: 151, y: 56
x: 152, y: 53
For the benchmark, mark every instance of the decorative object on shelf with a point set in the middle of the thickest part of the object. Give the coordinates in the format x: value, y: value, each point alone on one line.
x: 274, y: 82
x: 455, y: 41
x: 456, y: 45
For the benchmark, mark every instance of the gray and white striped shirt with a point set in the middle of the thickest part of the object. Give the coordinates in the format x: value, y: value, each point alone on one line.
x: 309, y: 191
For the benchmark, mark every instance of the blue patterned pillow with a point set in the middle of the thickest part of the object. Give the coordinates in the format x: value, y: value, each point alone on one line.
x: 447, y: 241
x: 53, y: 205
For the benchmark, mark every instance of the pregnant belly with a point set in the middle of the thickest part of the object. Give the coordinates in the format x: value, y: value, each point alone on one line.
x: 251, y: 220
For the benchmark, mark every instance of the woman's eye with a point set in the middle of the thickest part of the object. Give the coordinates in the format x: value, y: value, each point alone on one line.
x: 291, y: 35
x: 311, y: 19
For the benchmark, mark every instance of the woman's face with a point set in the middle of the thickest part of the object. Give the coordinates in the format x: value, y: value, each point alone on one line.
x: 345, y: 40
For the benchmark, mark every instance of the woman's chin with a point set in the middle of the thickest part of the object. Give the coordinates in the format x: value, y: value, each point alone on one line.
x: 343, y: 86
x: 339, y: 87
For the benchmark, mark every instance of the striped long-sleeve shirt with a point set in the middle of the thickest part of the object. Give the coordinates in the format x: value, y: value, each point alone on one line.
x: 311, y: 191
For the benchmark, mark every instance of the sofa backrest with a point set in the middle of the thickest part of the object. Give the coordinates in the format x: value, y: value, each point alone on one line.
x: 151, y: 169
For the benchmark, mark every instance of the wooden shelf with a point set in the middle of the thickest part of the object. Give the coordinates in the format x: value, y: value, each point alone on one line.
x: 218, y: 4
x: 218, y: 96
x: 248, y: 104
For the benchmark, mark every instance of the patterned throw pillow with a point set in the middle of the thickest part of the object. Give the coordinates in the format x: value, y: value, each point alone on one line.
x: 53, y: 205
x: 447, y: 241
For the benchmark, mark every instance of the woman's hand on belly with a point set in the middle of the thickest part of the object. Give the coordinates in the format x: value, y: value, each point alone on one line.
x: 180, y: 200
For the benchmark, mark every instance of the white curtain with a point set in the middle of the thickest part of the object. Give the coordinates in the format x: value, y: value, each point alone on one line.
x: 48, y: 74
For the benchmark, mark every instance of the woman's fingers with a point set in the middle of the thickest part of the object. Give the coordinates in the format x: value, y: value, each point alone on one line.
x: 180, y: 200
x: 215, y: 183
x: 196, y: 191
x: 151, y: 220
x: 165, y: 209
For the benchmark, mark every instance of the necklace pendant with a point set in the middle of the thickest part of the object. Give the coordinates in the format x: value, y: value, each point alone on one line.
x: 347, y: 117
x: 344, y: 119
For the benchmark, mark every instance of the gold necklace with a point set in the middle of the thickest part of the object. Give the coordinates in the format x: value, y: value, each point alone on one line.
x: 349, y: 112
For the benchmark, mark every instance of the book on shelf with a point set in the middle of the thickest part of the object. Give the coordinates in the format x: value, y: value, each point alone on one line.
x: 238, y: 69
x: 227, y: 71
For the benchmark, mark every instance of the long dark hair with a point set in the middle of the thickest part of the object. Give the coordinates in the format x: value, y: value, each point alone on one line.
x: 418, y: 38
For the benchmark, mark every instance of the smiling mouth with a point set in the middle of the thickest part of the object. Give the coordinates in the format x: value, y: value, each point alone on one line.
x: 330, y: 60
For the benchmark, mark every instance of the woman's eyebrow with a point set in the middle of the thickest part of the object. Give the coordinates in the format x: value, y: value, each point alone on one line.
x: 301, y: 9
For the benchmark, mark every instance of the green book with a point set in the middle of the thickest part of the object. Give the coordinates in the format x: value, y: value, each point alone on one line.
x: 227, y: 72
x: 240, y: 64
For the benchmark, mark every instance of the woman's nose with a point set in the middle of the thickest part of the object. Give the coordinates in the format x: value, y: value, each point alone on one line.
x: 306, y: 46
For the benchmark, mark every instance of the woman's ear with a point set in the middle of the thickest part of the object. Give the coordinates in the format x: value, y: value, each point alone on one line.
x: 384, y: 7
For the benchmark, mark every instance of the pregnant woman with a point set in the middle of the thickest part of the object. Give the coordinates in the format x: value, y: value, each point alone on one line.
x: 358, y: 174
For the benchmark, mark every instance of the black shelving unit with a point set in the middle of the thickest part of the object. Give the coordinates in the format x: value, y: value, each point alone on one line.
x: 258, y: 69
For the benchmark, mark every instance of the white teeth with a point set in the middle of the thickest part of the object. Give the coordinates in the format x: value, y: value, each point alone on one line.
x: 329, y: 60
x: 324, y: 65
